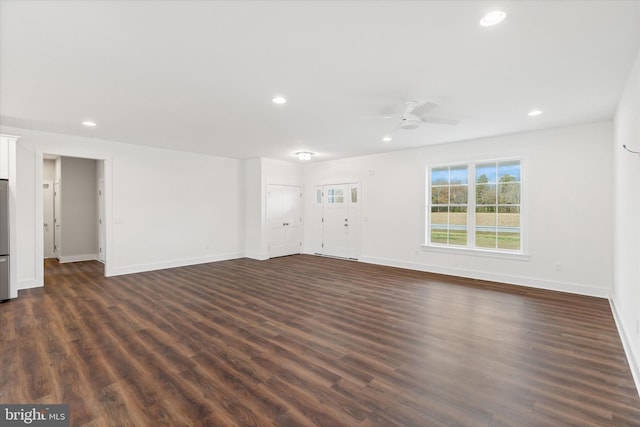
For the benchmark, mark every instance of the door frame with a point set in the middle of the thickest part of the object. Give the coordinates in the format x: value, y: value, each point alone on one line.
x: 39, y: 221
x: 57, y: 217
x: 52, y: 225
x: 358, y: 222
x: 101, y: 221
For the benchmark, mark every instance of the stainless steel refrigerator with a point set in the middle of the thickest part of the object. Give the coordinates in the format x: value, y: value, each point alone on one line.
x: 4, y: 239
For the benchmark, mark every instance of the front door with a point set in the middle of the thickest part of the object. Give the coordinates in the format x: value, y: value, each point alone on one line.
x: 336, y: 221
x: 340, y: 222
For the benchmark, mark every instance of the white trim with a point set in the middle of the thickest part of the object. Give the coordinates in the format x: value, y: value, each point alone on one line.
x: 330, y: 181
x: 626, y: 345
x: 173, y: 263
x: 260, y: 256
x: 78, y: 258
x: 463, y: 250
x: 28, y: 284
x: 552, y: 285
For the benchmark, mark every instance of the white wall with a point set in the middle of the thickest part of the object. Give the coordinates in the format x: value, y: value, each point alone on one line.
x: 567, y: 182
x: 254, y: 210
x: 79, y: 226
x: 49, y: 170
x: 259, y: 173
x: 164, y: 208
x: 626, y: 283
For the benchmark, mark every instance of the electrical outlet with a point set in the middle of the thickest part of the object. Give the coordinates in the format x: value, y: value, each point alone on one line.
x: 558, y: 266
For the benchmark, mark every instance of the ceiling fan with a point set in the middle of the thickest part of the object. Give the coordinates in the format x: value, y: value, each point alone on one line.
x: 415, y: 113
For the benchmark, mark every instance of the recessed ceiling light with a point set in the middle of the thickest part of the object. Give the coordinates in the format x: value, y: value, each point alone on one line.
x: 89, y: 123
x: 386, y: 139
x: 304, y: 155
x: 533, y: 113
x: 492, y: 18
x: 279, y: 100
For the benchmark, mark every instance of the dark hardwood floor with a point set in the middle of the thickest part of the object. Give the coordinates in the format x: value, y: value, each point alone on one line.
x: 303, y: 340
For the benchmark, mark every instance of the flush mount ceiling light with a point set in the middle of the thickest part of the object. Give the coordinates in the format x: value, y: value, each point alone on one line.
x: 89, y: 123
x: 492, y: 18
x: 279, y: 100
x: 304, y: 155
x: 387, y: 139
x: 534, y: 113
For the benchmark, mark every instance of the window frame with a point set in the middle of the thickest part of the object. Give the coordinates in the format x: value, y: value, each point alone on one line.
x: 470, y: 247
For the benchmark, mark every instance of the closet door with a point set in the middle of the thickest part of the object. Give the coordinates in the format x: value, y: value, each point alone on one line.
x: 284, y: 219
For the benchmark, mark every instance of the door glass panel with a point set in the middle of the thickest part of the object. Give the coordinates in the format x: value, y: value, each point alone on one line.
x: 339, y: 193
x: 354, y: 194
x: 318, y: 196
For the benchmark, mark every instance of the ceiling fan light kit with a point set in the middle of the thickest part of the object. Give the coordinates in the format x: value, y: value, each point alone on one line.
x: 409, y: 123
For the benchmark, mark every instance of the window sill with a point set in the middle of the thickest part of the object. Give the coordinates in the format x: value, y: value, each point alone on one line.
x: 519, y: 256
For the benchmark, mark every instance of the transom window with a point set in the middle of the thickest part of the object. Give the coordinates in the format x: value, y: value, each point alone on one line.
x: 475, y: 205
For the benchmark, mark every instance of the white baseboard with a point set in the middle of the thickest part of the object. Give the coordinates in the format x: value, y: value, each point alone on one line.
x: 628, y: 350
x: 77, y: 258
x: 260, y: 256
x: 161, y: 265
x: 573, y: 288
x: 28, y: 284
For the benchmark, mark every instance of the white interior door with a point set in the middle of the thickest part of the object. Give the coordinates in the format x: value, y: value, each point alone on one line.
x: 57, y: 219
x: 284, y: 219
x: 337, y: 230
x: 47, y: 215
x: 101, y: 230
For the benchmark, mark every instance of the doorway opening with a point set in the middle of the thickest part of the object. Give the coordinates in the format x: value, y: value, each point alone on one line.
x: 73, y: 208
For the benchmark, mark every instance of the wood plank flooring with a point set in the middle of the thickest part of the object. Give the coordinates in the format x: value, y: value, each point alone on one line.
x: 304, y: 341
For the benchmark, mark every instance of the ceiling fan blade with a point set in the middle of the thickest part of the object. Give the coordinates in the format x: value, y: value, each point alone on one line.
x: 395, y: 128
x: 439, y: 120
x: 423, y: 107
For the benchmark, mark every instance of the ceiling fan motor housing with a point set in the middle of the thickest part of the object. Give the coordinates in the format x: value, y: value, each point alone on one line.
x: 409, y: 123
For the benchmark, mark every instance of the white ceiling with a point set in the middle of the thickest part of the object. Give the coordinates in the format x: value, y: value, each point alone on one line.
x: 200, y: 75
